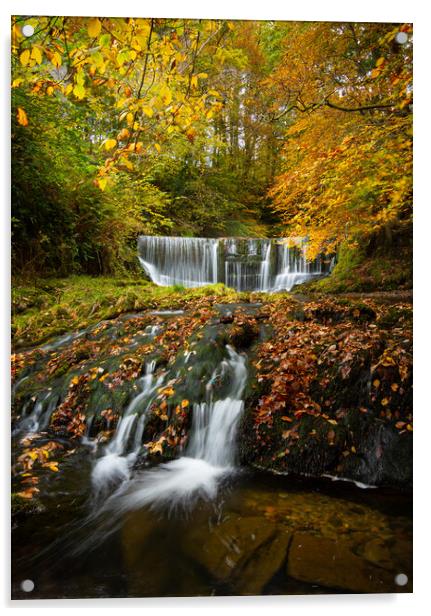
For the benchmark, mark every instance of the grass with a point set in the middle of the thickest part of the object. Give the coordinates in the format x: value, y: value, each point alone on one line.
x: 44, y: 308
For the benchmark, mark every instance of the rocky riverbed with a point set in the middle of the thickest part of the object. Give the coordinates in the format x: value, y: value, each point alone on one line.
x: 327, y: 395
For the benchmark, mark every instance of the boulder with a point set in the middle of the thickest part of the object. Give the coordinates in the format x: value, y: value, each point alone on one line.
x: 333, y: 563
x: 244, y: 552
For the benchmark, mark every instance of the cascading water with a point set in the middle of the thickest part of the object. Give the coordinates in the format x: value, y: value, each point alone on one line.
x: 191, y: 262
x: 210, y: 453
x: 121, y: 453
x: 243, y: 264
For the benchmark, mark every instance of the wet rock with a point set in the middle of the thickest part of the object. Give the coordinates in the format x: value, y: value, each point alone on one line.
x: 263, y: 565
x: 245, y: 552
x: 377, y: 552
x: 334, y: 563
x: 227, y: 318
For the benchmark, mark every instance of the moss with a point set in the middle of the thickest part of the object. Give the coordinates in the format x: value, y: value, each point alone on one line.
x: 44, y: 309
x: 359, y: 270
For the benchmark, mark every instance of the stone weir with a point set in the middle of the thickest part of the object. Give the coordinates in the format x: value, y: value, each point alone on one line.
x: 244, y: 264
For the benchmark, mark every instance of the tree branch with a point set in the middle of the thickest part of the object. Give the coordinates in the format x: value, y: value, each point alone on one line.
x: 361, y: 108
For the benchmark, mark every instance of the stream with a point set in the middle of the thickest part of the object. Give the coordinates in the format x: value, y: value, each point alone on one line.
x: 116, y: 521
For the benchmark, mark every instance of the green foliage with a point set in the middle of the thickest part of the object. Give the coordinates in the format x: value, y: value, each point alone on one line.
x: 62, y: 223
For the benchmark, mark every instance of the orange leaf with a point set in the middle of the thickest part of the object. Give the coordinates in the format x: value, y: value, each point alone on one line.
x: 21, y: 117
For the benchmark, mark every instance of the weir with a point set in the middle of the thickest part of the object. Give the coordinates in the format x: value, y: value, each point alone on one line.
x: 241, y: 263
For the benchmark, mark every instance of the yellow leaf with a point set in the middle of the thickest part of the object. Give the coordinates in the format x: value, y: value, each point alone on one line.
x: 25, y: 57
x: 380, y: 61
x: 376, y: 383
x: 384, y: 402
x: 123, y: 134
x: 21, y: 117
x: 184, y: 403
x: 49, y: 90
x: 332, y: 421
x: 79, y: 91
x: 94, y: 27
x: 101, y: 182
x: 129, y: 118
x: 17, y: 82
x: 75, y: 380
x: 56, y: 59
x: 127, y: 164
x: 53, y: 466
x: 110, y: 143
x: 148, y: 111
x: 36, y: 54
x: 157, y: 146
x: 166, y: 391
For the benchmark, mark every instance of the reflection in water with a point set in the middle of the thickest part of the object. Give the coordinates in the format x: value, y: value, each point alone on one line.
x: 259, y: 536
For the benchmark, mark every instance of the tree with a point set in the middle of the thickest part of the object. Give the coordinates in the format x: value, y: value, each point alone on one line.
x: 347, y: 160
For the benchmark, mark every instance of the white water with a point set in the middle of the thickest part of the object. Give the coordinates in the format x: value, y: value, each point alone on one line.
x: 243, y: 264
x: 121, y: 453
x: 209, y: 456
x: 191, y: 262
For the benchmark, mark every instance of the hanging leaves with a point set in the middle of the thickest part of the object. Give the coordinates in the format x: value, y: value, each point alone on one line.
x: 110, y: 143
x: 21, y: 117
x: 94, y: 27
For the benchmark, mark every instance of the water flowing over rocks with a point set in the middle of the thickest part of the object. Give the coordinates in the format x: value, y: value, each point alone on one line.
x: 163, y: 414
x: 240, y: 263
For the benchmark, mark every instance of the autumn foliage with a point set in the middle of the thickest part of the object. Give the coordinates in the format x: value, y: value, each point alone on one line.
x: 347, y: 158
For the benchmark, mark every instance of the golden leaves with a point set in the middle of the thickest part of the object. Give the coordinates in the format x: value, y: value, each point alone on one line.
x: 110, y: 143
x: 25, y: 57
x: 101, y: 183
x: 21, y: 117
x: 156, y: 446
x: 36, y: 54
x: 53, y: 466
x: 56, y: 59
x: 123, y: 134
x: 79, y: 91
x: 94, y: 27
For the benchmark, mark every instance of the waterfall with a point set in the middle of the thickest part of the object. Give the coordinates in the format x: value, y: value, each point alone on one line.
x: 214, y: 423
x: 210, y: 453
x: 121, y: 453
x: 189, y: 261
x: 241, y: 263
